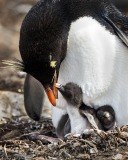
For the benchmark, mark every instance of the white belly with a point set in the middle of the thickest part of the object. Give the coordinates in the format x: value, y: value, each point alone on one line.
x: 98, y: 62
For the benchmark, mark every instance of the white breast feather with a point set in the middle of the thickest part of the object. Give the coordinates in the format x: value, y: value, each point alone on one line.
x: 97, y: 61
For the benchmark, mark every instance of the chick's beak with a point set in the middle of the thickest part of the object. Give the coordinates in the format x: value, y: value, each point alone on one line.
x: 60, y: 87
x: 52, y: 92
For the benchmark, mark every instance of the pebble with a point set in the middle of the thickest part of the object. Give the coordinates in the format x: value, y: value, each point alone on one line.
x: 117, y: 157
x: 93, y: 150
x: 11, y: 104
x: 83, y: 156
x: 23, y: 8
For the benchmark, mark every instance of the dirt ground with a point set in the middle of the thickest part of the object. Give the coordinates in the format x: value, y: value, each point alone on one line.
x: 20, y: 137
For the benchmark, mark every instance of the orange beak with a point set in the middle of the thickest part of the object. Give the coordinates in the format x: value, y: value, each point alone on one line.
x: 52, y: 94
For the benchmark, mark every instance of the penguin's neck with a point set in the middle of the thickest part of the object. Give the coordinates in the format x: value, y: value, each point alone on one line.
x: 80, y: 8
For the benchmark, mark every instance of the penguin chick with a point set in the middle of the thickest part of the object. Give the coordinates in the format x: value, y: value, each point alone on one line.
x: 72, y: 93
x: 101, y: 118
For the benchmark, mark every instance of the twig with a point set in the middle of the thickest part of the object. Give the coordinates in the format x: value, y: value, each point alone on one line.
x: 5, y: 151
x: 23, y: 135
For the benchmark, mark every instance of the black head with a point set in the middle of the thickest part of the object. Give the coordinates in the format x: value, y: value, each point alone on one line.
x: 43, y: 43
x: 106, y: 116
x: 72, y: 93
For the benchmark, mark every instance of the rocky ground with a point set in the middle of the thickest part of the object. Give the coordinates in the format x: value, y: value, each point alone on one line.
x: 19, y: 136
x: 12, y: 13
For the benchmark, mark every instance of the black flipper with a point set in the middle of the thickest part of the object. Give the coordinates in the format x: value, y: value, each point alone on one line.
x: 118, y: 22
x: 118, y: 31
x: 67, y: 127
x: 121, y: 4
x: 33, y: 97
x: 64, y: 126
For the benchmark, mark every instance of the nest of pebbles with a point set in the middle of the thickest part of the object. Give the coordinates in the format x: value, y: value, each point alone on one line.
x: 20, y: 139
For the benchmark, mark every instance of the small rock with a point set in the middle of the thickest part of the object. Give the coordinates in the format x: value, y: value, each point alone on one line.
x: 21, y: 74
x: 93, y: 150
x: 3, y: 121
x: 83, y: 156
x: 118, y: 157
x: 38, y: 159
x: 77, y: 144
x: 23, y: 8
x: 76, y: 135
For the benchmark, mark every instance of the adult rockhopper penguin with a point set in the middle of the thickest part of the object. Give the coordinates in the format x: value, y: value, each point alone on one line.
x: 65, y: 38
